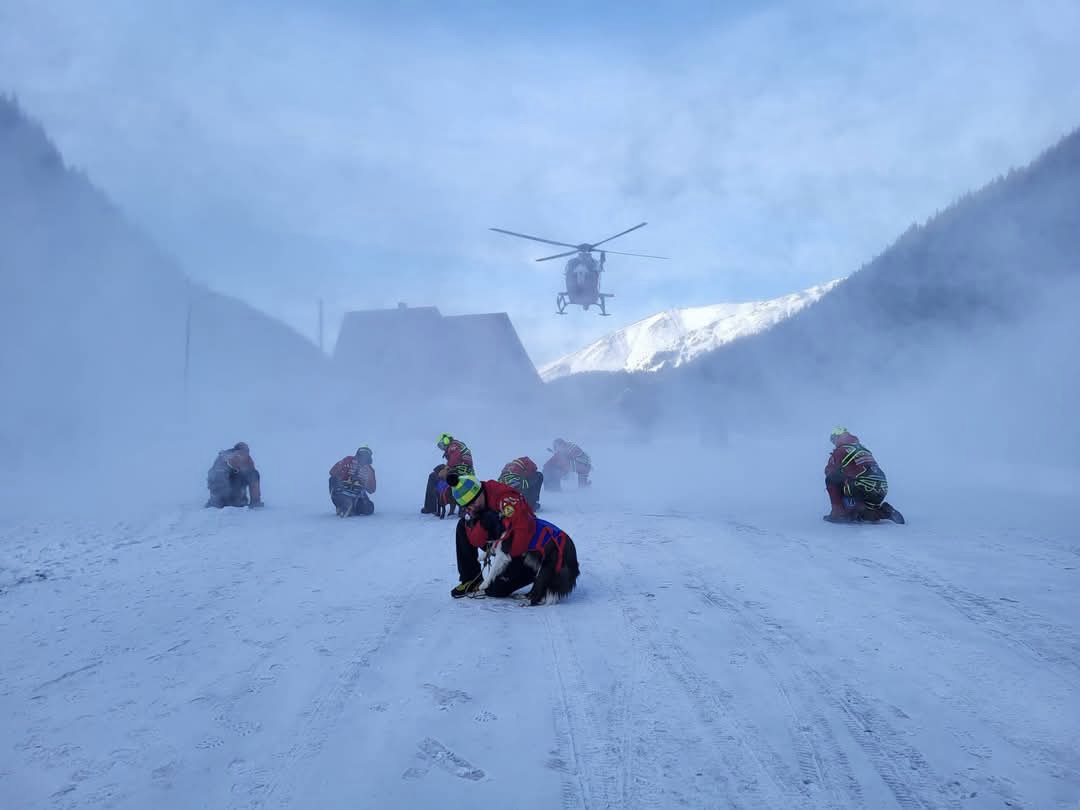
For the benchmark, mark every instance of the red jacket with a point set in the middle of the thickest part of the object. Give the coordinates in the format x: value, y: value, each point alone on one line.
x: 517, y: 517
x: 520, y: 468
x: 570, y: 457
x: 239, y: 460
x: 850, y: 460
x: 349, y: 469
x: 459, y: 458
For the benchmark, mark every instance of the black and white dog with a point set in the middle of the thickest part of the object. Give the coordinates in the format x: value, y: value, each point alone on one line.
x: 550, y: 564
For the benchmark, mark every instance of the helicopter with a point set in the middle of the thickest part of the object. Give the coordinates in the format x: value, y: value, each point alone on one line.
x: 583, y: 270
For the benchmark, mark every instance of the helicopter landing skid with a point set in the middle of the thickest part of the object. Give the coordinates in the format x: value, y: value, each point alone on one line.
x: 563, y: 299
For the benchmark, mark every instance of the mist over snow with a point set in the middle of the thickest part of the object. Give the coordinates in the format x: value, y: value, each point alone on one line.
x: 724, y: 647
x: 674, y: 337
x: 102, y: 335
x: 978, y: 297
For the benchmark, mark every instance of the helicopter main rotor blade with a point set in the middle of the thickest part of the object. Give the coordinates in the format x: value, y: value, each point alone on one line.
x: 616, y: 236
x: 558, y: 255
x: 534, y: 238
x: 642, y: 255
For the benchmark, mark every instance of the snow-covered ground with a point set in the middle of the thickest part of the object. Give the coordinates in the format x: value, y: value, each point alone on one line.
x: 712, y: 657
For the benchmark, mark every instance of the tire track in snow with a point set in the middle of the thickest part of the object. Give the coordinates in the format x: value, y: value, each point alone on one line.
x: 320, y: 717
x: 1050, y: 643
x: 602, y: 748
x: 757, y: 775
x: 902, y: 768
x: 575, y: 789
x: 606, y: 726
x: 823, y: 763
x: 739, y: 769
x: 753, y: 774
x: 570, y: 715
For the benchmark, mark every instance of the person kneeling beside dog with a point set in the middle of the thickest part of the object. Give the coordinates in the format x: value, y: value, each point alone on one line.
x: 523, y: 549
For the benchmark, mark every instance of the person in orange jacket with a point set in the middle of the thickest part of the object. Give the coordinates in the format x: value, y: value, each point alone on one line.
x: 352, y: 480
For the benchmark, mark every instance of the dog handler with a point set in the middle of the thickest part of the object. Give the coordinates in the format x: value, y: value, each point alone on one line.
x: 458, y: 460
x: 490, y: 512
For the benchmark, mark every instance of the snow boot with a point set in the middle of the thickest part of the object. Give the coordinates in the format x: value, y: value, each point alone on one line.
x: 838, y: 517
x: 465, y: 588
x: 890, y: 512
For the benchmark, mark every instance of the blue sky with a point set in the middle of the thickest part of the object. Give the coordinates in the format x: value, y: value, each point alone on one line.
x: 287, y: 152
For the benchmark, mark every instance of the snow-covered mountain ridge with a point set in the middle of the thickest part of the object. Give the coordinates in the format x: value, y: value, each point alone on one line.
x: 676, y: 336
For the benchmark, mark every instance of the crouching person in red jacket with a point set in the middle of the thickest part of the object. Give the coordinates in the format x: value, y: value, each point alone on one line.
x: 856, y: 484
x: 567, y: 457
x: 352, y: 481
x: 526, y: 550
x: 523, y: 475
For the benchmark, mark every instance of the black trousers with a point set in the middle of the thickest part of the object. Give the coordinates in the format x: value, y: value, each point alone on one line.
x: 532, y: 492
x: 431, y: 493
x: 231, y: 491
x: 553, y: 475
x: 468, y: 565
x: 869, y: 492
x: 343, y: 499
x: 516, y: 576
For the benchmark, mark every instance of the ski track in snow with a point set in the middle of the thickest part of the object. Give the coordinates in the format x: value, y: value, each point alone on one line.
x: 281, y: 659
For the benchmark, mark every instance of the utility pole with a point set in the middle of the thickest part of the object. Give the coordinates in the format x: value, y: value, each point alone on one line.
x: 320, y: 324
x: 187, y: 345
